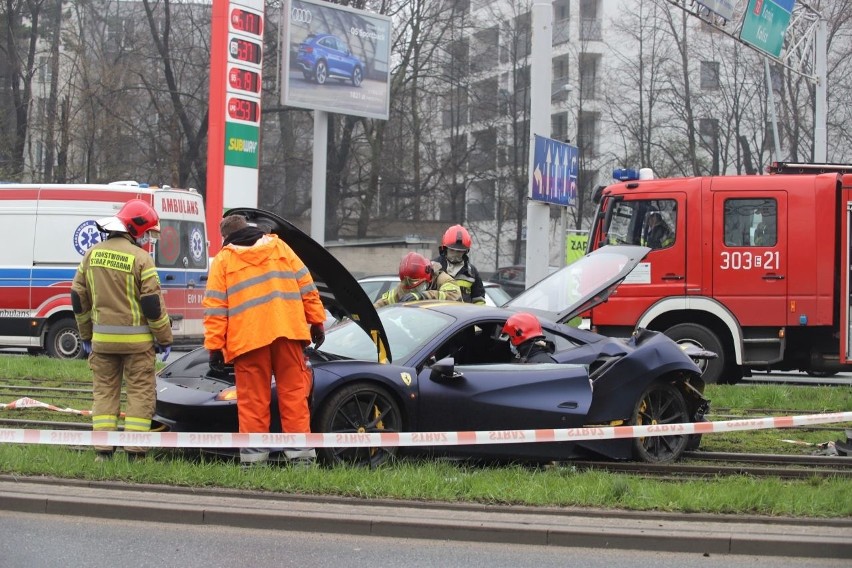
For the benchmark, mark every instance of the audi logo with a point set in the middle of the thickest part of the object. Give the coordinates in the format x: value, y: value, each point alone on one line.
x: 301, y: 15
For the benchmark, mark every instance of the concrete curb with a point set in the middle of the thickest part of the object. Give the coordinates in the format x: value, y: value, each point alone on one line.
x: 709, y: 534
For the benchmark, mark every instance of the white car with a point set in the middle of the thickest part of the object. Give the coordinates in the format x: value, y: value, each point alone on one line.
x: 375, y: 286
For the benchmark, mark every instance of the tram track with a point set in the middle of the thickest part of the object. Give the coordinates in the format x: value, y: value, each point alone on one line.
x: 722, y: 464
x: 695, y: 464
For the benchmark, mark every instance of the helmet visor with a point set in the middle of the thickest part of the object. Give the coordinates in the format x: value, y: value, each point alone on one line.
x: 111, y: 225
x: 412, y: 285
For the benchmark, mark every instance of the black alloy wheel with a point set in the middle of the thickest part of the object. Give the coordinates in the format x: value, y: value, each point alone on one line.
x: 660, y: 405
x: 359, y: 408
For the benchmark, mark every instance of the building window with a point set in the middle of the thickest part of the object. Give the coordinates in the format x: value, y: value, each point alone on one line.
x: 587, y: 134
x: 709, y: 75
x: 483, y: 49
x: 559, y: 126
x: 751, y: 222
x: 589, y: 63
x: 590, y: 23
x: 480, y: 203
x: 484, y: 101
x: 483, y: 153
x: 708, y: 130
x: 561, y: 27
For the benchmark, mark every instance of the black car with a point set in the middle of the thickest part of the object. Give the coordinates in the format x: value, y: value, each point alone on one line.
x: 438, y: 366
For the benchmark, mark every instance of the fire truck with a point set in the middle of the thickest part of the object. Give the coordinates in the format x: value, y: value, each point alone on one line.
x: 755, y: 268
x: 46, y: 229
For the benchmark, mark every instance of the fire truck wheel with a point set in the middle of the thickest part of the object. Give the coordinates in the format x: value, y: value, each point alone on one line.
x: 63, y: 340
x: 712, y: 370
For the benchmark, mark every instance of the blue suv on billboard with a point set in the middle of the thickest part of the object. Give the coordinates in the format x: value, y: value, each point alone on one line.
x: 322, y: 56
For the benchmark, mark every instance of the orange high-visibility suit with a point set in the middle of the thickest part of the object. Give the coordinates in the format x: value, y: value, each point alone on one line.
x: 258, y: 307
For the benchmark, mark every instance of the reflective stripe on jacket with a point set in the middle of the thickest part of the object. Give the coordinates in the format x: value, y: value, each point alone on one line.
x: 468, y: 279
x: 442, y: 287
x: 111, y: 281
x: 256, y: 294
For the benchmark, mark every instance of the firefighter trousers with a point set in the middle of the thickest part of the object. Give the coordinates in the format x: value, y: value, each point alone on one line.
x: 137, y: 369
x: 286, y: 360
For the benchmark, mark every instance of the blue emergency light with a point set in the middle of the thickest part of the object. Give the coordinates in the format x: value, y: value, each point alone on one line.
x: 625, y: 174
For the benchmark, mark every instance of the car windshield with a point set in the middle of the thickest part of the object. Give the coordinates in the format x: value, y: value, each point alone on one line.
x: 498, y: 295
x: 578, y: 282
x: 408, y: 329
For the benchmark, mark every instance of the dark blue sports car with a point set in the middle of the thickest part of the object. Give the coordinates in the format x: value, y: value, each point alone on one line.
x: 445, y: 366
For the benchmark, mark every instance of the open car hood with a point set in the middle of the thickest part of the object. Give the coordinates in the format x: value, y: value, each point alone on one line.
x: 341, y: 293
x: 581, y: 285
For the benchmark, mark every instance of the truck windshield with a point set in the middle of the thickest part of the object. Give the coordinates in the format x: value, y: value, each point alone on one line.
x: 646, y: 222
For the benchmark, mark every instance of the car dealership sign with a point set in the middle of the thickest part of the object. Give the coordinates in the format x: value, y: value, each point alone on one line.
x: 336, y: 59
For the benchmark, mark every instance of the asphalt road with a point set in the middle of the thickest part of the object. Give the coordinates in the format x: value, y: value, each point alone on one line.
x: 46, y: 541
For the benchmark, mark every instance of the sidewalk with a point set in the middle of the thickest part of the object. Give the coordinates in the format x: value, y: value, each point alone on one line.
x: 711, y: 534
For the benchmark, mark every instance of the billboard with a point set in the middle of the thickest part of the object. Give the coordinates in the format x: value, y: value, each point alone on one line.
x: 555, y: 172
x: 335, y: 59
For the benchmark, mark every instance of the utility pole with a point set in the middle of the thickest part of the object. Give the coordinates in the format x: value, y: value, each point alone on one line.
x: 541, y: 71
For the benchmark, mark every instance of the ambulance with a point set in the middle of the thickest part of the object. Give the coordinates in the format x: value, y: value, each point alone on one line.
x: 46, y: 229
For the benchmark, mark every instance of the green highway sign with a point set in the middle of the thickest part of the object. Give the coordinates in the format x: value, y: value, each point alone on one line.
x: 765, y: 23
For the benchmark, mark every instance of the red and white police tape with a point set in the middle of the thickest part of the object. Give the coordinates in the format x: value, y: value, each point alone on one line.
x: 358, y: 440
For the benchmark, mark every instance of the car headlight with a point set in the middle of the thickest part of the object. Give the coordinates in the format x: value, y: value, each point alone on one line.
x: 229, y: 393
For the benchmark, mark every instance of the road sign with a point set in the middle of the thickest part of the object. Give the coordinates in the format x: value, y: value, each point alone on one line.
x: 555, y: 172
x: 723, y: 8
x: 765, y: 24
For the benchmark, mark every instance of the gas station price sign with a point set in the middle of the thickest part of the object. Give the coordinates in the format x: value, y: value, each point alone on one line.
x: 245, y: 51
x: 243, y: 109
x: 246, y: 22
x: 243, y: 80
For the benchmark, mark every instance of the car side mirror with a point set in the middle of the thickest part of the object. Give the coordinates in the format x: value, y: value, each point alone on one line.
x: 444, y: 370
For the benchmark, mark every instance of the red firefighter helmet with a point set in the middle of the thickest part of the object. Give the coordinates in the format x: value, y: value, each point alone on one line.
x: 135, y: 217
x: 138, y: 217
x: 456, y: 238
x: 414, y: 270
x: 522, y: 327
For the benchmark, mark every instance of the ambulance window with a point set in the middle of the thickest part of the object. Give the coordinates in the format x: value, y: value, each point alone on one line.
x: 751, y: 222
x: 181, y: 240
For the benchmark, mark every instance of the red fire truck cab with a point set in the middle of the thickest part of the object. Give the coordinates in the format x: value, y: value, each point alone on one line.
x: 754, y: 267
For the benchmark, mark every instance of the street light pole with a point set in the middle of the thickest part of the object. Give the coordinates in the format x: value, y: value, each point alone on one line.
x: 538, y: 214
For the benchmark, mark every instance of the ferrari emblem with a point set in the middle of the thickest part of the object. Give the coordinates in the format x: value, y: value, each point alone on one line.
x: 406, y: 378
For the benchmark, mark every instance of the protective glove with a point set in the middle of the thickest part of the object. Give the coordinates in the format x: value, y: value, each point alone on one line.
x: 166, y: 350
x: 217, y: 361
x: 87, y: 347
x: 410, y: 297
x: 317, y: 334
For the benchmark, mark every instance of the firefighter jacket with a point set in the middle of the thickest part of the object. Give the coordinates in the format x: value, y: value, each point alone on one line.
x: 442, y: 287
x: 117, y: 299
x: 468, y: 280
x: 536, y: 351
x: 256, y: 294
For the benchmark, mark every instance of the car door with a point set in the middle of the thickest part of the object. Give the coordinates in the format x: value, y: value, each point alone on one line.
x: 504, y: 396
x: 750, y: 255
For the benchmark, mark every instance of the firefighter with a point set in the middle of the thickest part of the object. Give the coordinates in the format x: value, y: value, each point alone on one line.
x: 527, y: 340
x: 122, y: 320
x: 453, y: 256
x: 420, y: 279
x: 261, y: 309
x: 657, y: 233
